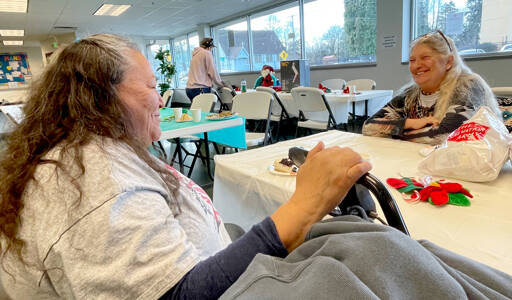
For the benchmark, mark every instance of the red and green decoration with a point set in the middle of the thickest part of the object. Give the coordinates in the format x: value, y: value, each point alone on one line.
x: 437, y: 193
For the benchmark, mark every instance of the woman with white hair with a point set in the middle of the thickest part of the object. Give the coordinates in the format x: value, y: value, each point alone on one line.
x: 443, y: 94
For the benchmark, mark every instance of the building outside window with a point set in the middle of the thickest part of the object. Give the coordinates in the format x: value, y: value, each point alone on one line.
x: 345, y: 33
x: 476, y: 26
x: 232, y: 49
x: 274, y: 32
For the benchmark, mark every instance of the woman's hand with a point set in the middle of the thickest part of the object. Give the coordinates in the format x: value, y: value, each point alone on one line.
x: 420, y: 123
x: 322, y: 182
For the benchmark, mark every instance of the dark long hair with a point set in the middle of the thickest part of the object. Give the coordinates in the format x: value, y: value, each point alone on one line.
x: 74, y: 100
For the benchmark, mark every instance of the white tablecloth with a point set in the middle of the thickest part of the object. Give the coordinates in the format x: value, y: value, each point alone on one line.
x: 341, y: 104
x: 245, y: 193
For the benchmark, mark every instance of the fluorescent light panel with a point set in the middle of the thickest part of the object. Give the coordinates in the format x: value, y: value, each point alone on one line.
x: 9, y: 32
x: 13, y: 43
x: 111, y: 10
x: 16, y: 6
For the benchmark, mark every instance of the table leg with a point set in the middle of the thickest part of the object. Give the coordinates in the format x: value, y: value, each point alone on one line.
x: 180, y: 155
x: 207, y: 154
x: 354, y: 116
x: 366, y: 109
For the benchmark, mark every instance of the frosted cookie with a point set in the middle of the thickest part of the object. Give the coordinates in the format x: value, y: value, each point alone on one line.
x: 285, y: 165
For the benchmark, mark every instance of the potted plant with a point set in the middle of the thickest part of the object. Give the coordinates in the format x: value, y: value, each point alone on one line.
x: 166, y: 68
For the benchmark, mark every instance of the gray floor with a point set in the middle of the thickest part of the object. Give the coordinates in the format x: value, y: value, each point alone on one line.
x: 199, y: 173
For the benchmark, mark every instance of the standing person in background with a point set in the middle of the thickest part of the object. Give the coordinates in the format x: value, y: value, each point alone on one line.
x: 202, y: 72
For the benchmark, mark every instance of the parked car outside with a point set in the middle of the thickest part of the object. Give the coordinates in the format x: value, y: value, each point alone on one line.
x: 507, y: 47
x: 471, y: 51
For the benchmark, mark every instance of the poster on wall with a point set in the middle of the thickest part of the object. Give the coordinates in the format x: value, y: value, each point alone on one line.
x: 14, y: 70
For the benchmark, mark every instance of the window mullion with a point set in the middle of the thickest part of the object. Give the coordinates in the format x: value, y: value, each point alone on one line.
x: 302, y: 35
x: 250, y: 46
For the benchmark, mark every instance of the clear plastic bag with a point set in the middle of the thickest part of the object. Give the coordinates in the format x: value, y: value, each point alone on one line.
x: 476, y: 151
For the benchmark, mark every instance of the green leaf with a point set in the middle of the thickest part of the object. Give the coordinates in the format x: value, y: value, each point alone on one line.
x: 411, y: 187
x: 458, y: 199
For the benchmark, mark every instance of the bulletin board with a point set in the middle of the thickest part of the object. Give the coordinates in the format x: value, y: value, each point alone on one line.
x: 14, y: 70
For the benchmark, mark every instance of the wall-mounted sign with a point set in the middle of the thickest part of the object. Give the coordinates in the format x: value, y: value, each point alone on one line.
x: 389, y: 41
x: 14, y: 70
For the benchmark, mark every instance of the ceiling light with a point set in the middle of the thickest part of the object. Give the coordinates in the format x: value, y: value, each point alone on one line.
x: 111, y: 10
x: 13, y: 43
x: 9, y: 32
x: 16, y: 6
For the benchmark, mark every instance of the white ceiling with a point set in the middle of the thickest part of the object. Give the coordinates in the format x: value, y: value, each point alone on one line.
x: 145, y: 18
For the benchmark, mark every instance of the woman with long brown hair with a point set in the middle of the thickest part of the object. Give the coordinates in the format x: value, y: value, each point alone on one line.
x: 87, y: 212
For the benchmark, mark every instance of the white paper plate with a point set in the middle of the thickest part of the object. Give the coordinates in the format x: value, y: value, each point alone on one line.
x: 273, y: 171
x: 213, y: 117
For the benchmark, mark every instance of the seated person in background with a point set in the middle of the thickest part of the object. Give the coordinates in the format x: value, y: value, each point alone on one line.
x: 267, y: 77
x: 87, y: 213
x: 443, y: 94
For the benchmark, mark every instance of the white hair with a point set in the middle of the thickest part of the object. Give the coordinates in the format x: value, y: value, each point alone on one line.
x: 457, y: 85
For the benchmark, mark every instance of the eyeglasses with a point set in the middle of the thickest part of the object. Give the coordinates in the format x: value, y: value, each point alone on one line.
x: 441, y: 34
x: 445, y: 39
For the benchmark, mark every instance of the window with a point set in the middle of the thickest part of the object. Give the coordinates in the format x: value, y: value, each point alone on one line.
x: 193, y: 42
x: 182, y: 60
x: 346, y: 32
x: 476, y: 26
x: 232, y: 43
x: 274, y: 32
x: 152, y: 47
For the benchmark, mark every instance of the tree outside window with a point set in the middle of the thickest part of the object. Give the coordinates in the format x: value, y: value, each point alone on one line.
x: 476, y: 26
x: 346, y: 33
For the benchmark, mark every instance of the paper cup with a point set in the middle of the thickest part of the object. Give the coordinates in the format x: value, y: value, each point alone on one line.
x: 177, y: 113
x: 196, y: 114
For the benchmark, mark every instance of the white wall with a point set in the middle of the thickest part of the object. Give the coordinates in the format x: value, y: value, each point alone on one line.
x: 390, y: 73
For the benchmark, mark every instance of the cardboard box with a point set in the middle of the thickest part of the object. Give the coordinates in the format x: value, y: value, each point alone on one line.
x: 294, y: 73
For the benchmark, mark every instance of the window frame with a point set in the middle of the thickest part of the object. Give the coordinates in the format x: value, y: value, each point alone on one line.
x: 186, y: 37
x: 228, y: 23
x: 412, y: 30
x: 270, y: 9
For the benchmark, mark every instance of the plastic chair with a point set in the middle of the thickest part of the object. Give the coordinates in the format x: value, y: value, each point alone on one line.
x: 226, y: 96
x: 279, y: 112
x: 254, y: 106
x: 310, y: 99
x: 205, y: 102
x: 363, y: 84
x: 502, y: 91
x: 503, y: 97
x: 334, y: 84
x: 167, y: 96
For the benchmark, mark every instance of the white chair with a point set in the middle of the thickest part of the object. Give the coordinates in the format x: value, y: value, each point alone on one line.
x: 334, y: 84
x: 254, y: 106
x: 503, y: 97
x: 309, y: 100
x: 205, y: 102
x: 279, y: 112
x: 502, y: 91
x: 363, y: 84
x: 167, y: 96
x: 226, y: 96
